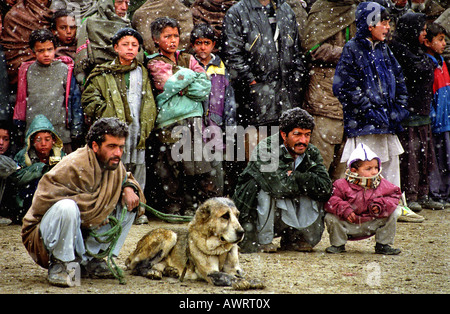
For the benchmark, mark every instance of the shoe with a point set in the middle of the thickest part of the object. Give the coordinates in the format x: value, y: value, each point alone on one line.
x: 5, y: 221
x: 428, y: 203
x: 386, y: 249
x: 415, y: 206
x: 58, y: 274
x: 336, y: 249
x: 409, y: 216
x: 268, y: 248
x: 96, y: 268
x: 141, y: 220
x: 299, y: 246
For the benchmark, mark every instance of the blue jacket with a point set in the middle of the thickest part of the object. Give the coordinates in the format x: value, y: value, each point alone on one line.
x: 440, y: 106
x: 369, y: 82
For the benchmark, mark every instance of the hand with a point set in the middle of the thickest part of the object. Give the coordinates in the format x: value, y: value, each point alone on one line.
x: 375, y: 209
x: 130, y: 198
x: 351, y: 218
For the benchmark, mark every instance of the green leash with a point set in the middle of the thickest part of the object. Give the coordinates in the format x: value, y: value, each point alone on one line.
x: 167, y: 217
x: 111, y: 236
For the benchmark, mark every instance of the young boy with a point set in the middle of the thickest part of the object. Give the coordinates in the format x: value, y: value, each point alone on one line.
x: 220, y: 108
x: 7, y: 167
x: 64, y: 27
x: 42, y: 150
x: 363, y: 204
x: 439, y: 113
x: 417, y: 161
x: 370, y: 85
x: 121, y: 88
x: 182, y: 85
x: 47, y: 86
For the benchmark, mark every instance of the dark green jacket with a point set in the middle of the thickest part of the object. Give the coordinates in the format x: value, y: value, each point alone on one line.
x: 309, y: 178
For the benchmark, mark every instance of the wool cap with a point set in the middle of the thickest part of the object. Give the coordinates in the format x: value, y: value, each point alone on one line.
x: 126, y: 31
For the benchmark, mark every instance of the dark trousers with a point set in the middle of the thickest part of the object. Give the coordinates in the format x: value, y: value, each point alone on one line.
x: 416, y: 163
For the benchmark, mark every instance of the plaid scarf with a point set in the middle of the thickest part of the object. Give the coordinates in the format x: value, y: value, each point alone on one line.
x: 365, y: 182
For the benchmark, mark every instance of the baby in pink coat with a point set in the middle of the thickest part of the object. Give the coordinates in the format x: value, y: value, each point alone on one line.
x: 363, y: 204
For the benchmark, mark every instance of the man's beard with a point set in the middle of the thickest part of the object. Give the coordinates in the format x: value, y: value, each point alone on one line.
x: 107, y: 165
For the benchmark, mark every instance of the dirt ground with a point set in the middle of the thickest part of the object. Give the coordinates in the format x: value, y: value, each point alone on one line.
x: 422, y: 267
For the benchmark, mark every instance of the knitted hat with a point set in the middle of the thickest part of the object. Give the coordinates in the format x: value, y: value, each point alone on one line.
x: 364, y: 153
x: 126, y: 31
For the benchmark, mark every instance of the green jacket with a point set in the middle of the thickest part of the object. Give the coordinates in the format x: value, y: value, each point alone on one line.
x: 105, y: 95
x: 309, y: 178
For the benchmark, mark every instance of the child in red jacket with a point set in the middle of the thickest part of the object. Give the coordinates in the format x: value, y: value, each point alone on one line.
x: 363, y: 204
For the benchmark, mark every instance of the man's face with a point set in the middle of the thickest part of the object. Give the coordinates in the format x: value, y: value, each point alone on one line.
x: 4, y: 141
x: 44, y: 52
x: 121, y: 7
x: 66, y: 29
x: 110, y: 152
x: 380, y: 31
x: 296, y: 141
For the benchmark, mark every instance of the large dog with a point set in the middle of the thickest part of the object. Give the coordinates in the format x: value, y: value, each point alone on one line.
x: 206, y: 250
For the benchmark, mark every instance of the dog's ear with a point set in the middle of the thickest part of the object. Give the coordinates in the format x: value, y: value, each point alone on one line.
x: 203, y: 212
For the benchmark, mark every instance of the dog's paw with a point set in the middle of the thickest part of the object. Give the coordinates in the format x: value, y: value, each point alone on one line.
x: 221, y: 279
x: 154, y: 274
x: 171, y: 272
x: 249, y: 284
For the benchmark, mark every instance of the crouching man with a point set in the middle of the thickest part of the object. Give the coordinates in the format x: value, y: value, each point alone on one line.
x: 77, y: 196
x: 284, y: 196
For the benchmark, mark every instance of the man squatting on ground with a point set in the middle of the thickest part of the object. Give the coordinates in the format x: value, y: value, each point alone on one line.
x: 77, y: 196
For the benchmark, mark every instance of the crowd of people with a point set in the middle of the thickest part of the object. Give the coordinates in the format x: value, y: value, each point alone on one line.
x: 356, y: 95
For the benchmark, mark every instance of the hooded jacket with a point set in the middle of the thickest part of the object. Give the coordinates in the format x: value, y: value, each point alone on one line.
x: 31, y: 168
x: 369, y: 81
x: 440, y: 107
x: 417, y: 68
x: 352, y: 195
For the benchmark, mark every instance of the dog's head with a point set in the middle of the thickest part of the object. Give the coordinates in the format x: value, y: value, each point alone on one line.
x: 217, y: 220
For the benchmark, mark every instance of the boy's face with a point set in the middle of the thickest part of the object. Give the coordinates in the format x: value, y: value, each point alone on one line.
x: 43, y: 143
x: 44, y: 52
x: 4, y: 141
x: 380, y: 31
x: 203, y: 48
x: 66, y: 29
x: 368, y: 168
x: 437, y: 45
x: 422, y: 35
x: 127, y: 48
x: 296, y: 141
x: 168, y: 41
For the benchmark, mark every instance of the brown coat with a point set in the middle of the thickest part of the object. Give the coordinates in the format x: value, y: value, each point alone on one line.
x: 78, y: 177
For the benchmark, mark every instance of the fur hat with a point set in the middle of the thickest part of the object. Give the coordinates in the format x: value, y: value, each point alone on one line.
x: 364, y: 153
